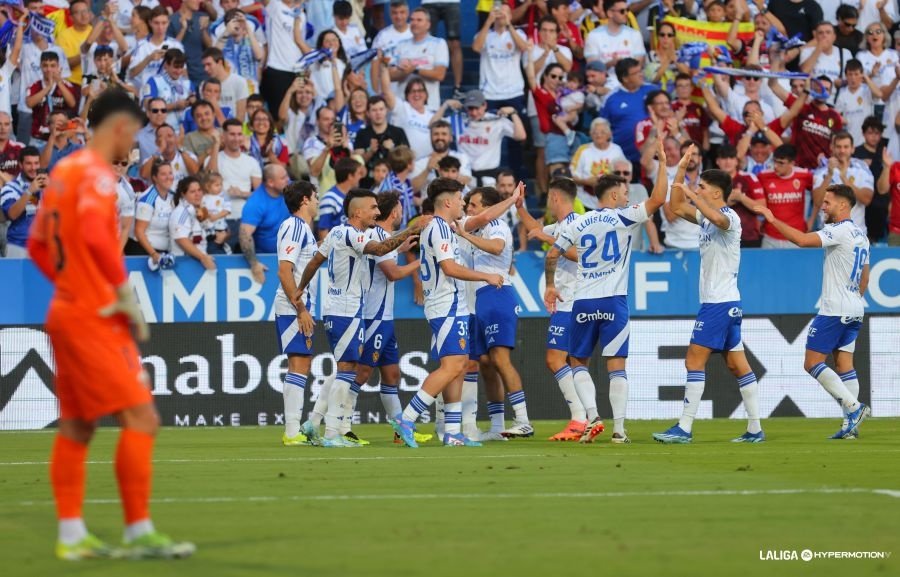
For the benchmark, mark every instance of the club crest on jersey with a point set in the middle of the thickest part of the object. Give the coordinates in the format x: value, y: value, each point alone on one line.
x: 375, y: 357
x: 360, y: 350
x: 796, y: 183
x: 462, y: 343
x: 309, y: 342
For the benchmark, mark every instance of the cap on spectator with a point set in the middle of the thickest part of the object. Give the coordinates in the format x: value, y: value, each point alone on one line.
x: 474, y: 99
x: 342, y: 9
x: 873, y: 122
x: 596, y: 66
x: 759, y: 138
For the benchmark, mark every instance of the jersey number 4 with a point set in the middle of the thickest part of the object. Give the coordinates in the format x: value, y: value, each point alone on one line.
x: 609, y: 251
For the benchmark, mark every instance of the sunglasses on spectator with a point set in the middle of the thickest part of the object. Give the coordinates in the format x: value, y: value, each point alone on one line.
x: 850, y: 23
x: 622, y: 172
x: 753, y: 78
x: 874, y: 32
x: 158, y: 110
x: 556, y: 76
x: 120, y: 163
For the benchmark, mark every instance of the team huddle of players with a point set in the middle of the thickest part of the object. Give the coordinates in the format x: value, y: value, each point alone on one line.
x: 465, y: 257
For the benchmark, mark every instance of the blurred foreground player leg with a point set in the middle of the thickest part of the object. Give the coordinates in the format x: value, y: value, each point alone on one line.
x: 844, y: 281
x: 74, y: 242
x: 718, y: 324
x: 296, y: 247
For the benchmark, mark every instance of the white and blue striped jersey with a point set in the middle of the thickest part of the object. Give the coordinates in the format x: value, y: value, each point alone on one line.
x: 331, y: 209
x: 296, y: 245
x: 566, y: 270
x: 171, y: 90
x: 442, y: 293
x: 379, y: 299
x: 720, y: 259
x: 495, y: 263
x: 467, y: 259
x: 602, y: 238
x: 348, y: 270
x: 183, y: 224
x: 11, y: 192
x: 155, y: 210
x: 846, y: 255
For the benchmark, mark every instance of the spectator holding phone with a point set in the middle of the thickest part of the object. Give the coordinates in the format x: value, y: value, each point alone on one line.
x: 65, y: 138
x: 19, y: 200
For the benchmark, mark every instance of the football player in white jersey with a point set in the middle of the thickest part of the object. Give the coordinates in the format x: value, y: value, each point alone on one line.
x: 845, y: 277
x: 345, y: 248
x: 718, y: 324
x: 447, y: 313
x: 561, y: 204
x: 602, y: 239
x: 296, y: 247
x: 380, y: 348
x: 496, y: 316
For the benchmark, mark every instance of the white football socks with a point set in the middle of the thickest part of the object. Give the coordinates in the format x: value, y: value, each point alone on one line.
x: 587, y: 392
x: 321, y: 405
x: 566, y: 381
x: 693, y: 392
x: 293, y: 391
x: 618, y: 399
x: 750, y: 393
x: 832, y: 383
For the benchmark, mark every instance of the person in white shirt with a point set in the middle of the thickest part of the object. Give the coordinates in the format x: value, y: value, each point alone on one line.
x: 842, y: 168
x: 448, y: 11
x: 426, y: 167
x: 593, y: 160
x: 423, y: 56
x: 877, y: 11
x: 500, y: 46
x: 9, y: 65
x: 600, y: 307
x: 718, y: 324
x: 680, y: 233
x: 825, y: 59
x: 845, y: 277
x: 878, y: 52
x: 151, y: 216
x: 856, y: 101
x: 172, y: 86
x: 353, y: 38
x: 286, y: 38
x: 145, y: 61
x: 235, y: 89
x: 125, y: 199
x: 240, y: 172
x: 412, y: 113
x: 614, y: 41
x: 185, y: 230
x: 389, y: 38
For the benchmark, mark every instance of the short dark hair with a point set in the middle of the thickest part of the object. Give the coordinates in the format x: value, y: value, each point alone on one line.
x: 872, y: 122
x: 344, y: 169
x: 386, y: 203
x: 354, y: 194
x: 607, y: 182
x: 373, y: 100
x: 200, y: 104
x: 842, y: 135
x: 174, y: 56
x: 548, y: 20
x: 296, y: 192
x: 607, y: 4
x: 726, y: 151
x: 449, y: 162
x: 843, y: 191
x: 651, y: 96
x: 215, y: 53
x: 554, y: 4
x: 342, y: 9
x: 440, y: 186
x: 625, y: 64
x: 182, y: 187
x: 785, y: 152
x: 232, y: 122
x: 564, y: 185
x: 853, y: 65
x: 28, y: 151
x: 506, y: 172
x: 489, y: 195
x: 845, y: 11
x: 157, y: 166
x: 684, y: 145
x: 718, y: 178
x: 159, y: 11
x: 255, y: 97
x: 440, y: 124
x: 110, y: 102
x: 49, y: 56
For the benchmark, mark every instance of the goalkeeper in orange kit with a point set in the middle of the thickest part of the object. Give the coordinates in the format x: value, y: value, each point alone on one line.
x: 74, y: 241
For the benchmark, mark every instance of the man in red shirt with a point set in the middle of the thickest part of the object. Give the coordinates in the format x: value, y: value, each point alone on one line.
x: 785, y: 188
x: 815, y: 125
x: 693, y: 117
x: 52, y: 92
x: 746, y: 192
x: 9, y: 151
x: 569, y: 35
x: 889, y: 183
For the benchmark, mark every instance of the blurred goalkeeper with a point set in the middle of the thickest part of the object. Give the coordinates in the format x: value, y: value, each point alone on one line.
x: 74, y: 242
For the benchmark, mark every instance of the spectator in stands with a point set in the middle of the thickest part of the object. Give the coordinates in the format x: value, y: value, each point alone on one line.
x: 625, y: 108
x: 693, y: 117
x: 354, y: 114
x: 331, y: 206
x: 262, y: 216
x: 797, y: 16
x: 218, y: 209
x: 842, y: 168
x: 72, y: 38
x: 889, y: 185
x: 234, y: 88
x: 244, y: 49
x: 65, y: 138
x: 847, y: 35
x: 734, y: 100
x: 878, y: 51
x: 156, y: 117
x: 286, y: 39
x: 663, y: 65
x: 9, y: 150
x: 484, y: 132
x: 591, y: 161
x: 183, y: 163
x: 325, y: 148
x: 752, y: 116
x: 298, y: 110
x: 240, y: 172
x: 754, y: 149
x: 637, y: 193
x: 746, y: 192
x: 265, y: 145
x: 423, y: 56
x: 326, y: 74
x: 353, y: 37
x: 401, y: 161
x: 19, y: 199
x: 871, y: 151
x: 658, y: 104
x: 9, y: 65
x: 219, y: 28
x: 187, y: 25
x: 125, y: 200
x: 151, y: 218
x: 102, y: 76
x: 147, y: 54
x: 825, y: 59
x: 172, y: 86
x: 388, y: 38
x: 615, y: 42
x: 546, y: 94
x: 51, y: 92
x: 412, y: 114
x: 856, y: 101
x: 680, y: 233
x: 377, y: 138
x: 500, y: 45
x: 880, y: 11
x: 186, y: 235
x: 205, y: 139
x: 569, y: 35
x: 814, y: 124
x: 786, y: 188
x: 211, y: 92
x: 448, y: 11
x: 426, y: 168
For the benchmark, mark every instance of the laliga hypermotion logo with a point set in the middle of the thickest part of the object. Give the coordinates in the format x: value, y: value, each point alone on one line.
x: 26, y: 362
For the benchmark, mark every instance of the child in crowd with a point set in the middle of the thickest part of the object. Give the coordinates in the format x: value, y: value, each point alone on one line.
x: 571, y: 103
x: 218, y: 207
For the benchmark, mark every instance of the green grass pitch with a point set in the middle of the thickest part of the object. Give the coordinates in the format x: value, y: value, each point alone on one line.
x: 521, y: 508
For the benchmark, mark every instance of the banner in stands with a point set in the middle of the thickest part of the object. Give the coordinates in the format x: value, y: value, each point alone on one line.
x: 771, y: 282
x: 230, y: 374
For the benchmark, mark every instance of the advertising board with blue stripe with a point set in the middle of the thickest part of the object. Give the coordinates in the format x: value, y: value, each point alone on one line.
x: 771, y: 282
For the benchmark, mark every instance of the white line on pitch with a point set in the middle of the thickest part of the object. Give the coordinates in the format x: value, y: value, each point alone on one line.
x: 466, y: 496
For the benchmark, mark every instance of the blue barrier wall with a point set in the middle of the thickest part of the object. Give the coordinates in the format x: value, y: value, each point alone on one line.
x: 771, y: 283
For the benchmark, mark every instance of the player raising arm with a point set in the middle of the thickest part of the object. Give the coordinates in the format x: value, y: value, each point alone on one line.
x: 718, y: 324
x: 845, y: 277
x: 75, y: 242
x: 600, y: 310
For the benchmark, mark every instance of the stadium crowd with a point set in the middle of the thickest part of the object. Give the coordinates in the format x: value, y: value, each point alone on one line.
x: 241, y: 97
